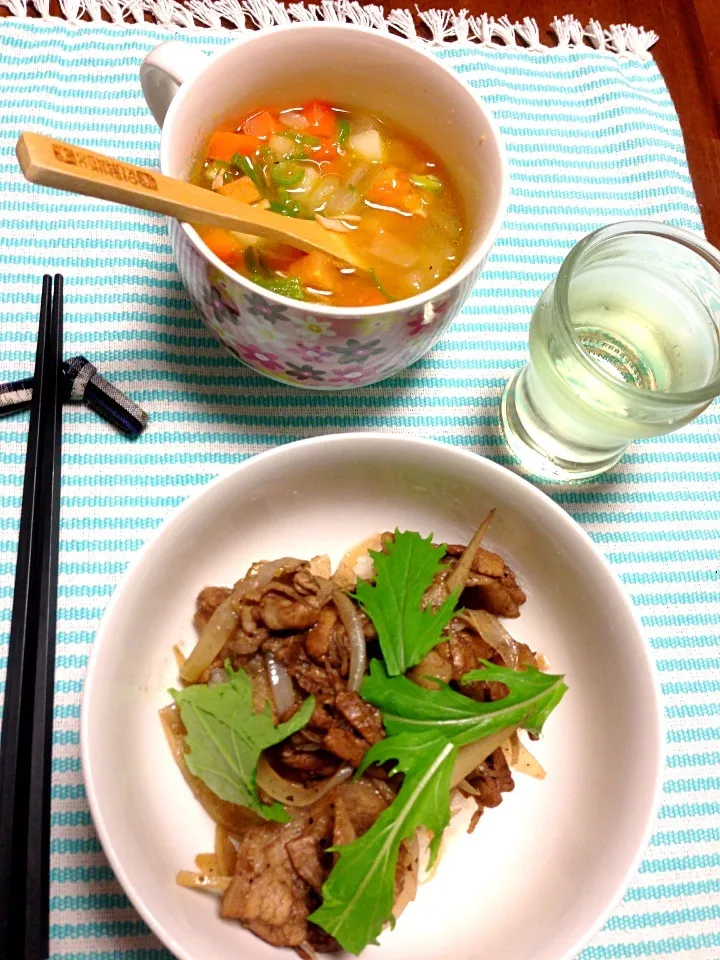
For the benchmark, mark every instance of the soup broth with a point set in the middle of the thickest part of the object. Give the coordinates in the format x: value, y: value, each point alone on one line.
x: 354, y: 173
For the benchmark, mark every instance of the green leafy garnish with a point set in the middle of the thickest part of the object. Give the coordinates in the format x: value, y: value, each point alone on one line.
x: 359, y: 893
x: 343, y: 132
x: 284, y: 286
x: 429, y: 182
x: 409, y: 709
x: 246, y: 165
x: 381, y: 288
x: 403, y: 572
x: 426, y: 729
x: 225, y: 739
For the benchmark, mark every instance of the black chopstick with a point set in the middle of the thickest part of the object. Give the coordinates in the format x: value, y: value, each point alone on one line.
x: 26, y: 738
x: 37, y: 895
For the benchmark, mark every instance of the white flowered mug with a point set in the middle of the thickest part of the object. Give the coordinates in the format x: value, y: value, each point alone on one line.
x: 311, y: 345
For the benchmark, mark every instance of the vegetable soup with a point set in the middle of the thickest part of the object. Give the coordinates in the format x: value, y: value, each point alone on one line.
x: 355, y: 174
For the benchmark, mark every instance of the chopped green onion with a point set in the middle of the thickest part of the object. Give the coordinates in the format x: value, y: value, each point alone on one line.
x: 304, y: 138
x: 286, y: 206
x: 429, y: 182
x: 284, y: 209
x: 375, y: 279
x: 286, y: 173
x: 246, y: 165
x: 285, y: 286
x: 343, y: 132
x: 214, y: 168
x: 252, y: 264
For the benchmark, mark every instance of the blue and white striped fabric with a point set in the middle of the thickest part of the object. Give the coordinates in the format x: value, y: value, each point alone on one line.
x: 592, y: 139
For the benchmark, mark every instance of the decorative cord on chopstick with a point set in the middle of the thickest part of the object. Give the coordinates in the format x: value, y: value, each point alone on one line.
x: 81, y: 383
x: 15, y: 396
x: 100, y: 395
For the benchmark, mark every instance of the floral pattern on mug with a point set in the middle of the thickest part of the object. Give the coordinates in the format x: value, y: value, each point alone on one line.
x: 290, y: 343
x: 312, y: 352
x: 353, y: 376
x: 222, y: 308
x: 258, y: 306
x: 367, y: 326
x: 355, y: 351
x: 268, y: 332
x: 257, y: 355
x: 312, y: 328
x: 304, y: 372
x: 416, y: 325
x: 426, y: 316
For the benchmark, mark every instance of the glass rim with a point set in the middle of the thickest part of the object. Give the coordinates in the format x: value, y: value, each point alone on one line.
x: 686, y: 238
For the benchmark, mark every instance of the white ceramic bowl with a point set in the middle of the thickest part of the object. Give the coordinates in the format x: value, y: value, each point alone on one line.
x: 541, y: 872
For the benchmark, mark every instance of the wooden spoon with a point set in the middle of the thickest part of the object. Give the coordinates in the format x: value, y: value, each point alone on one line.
x: 64, y: 166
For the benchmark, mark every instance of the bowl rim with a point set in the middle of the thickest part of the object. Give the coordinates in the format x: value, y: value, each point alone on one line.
x: 388, y: 440
x: 443, y: 288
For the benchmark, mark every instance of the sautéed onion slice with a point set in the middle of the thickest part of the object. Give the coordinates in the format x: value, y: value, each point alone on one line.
x: 493, y: 633
x: 225, y: 855
x: 280, y: 684
x: 459, y: 576
x: 356, y: 637
x: 201, y: 881
x: 408, y: 890
x: 473, y: 754
x: 521, y: 759
x: 293, y: 794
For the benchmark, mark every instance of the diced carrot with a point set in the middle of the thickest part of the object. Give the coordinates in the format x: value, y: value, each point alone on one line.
x: 331, y: 166
x: 356, y: 291
x: 316, y: 270
x: 242, y: 189
x: 224, y: 145
x: 326, y: 151
x: 222, y: 243
x: 322, y: 120
x: 263, y: 124
x: 279, y: 256
x: 328, y: 156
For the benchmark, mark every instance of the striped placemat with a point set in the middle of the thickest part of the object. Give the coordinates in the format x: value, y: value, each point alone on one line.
x: 592, y: 137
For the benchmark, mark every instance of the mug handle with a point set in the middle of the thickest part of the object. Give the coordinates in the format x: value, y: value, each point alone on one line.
x: 164, y: 70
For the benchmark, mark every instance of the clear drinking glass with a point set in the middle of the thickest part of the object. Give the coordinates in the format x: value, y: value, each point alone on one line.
x: 624, y: 344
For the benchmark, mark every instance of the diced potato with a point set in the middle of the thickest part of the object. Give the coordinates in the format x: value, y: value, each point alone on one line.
x: 385, y: 246
x: 367, y: 145
x: 283, y: 146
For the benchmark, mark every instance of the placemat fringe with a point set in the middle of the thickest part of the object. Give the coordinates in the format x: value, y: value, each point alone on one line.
x: 446, y: 27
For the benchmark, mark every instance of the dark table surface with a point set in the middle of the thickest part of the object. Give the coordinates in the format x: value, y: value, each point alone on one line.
x: 688, y: 54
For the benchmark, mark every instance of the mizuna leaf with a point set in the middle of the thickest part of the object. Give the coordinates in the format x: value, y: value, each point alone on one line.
x: 403, y: 572
x: 225, y: 738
